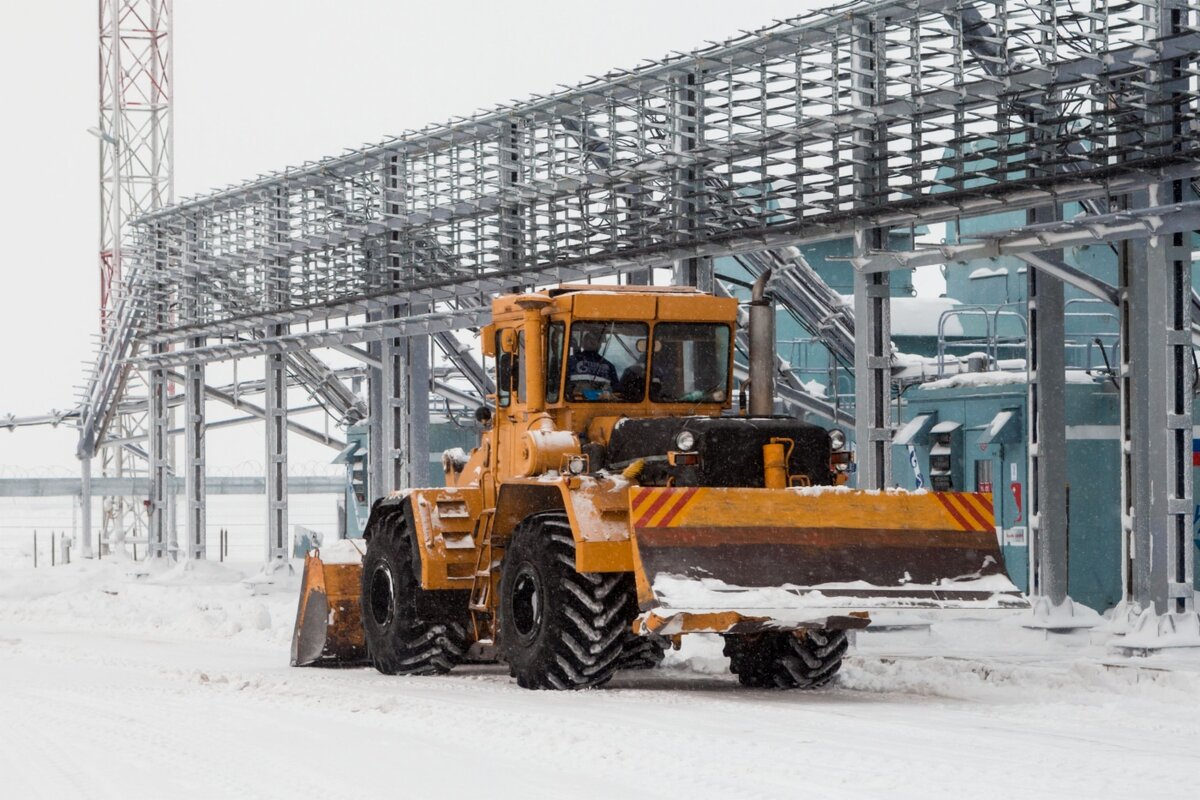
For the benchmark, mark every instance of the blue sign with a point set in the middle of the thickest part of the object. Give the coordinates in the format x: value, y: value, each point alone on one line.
x: 916, y: 468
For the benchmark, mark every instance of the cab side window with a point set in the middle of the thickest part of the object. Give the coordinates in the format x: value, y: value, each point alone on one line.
x: 554, y: 360
x: 507, y: 367
x: 520, y: 367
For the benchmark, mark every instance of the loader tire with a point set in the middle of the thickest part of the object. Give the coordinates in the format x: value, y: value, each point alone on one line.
x: 642, y: 652
x: 399, y: 641
x: 560, y: 629
x: 802, y: 660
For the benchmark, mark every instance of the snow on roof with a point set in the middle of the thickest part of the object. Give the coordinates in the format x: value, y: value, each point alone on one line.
x: 1000, y: 379
x: 918, y: 316
x: 988, y: 272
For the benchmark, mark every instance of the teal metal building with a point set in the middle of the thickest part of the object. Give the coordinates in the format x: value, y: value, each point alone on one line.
x: 970, y: 393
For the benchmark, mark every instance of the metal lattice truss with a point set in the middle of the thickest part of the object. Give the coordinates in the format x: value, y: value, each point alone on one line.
x: 766, y: 140
x: 136, y: 134
x: 856, y: 122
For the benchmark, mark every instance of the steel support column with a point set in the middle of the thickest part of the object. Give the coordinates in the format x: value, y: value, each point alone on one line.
x: 405, y: 412
x: 1157, y: 372
x: 194, y: 418
x: 417, y: 395
x: 1045, y: 360
x: 1047, y: 470
x: 872, y: 371
x: 159, y: 423
x: 194, y: 459
x: 376, y: 404
x: 687, y: 121
x: 389, y: 382
x: 159, y: 414
x: 393, y: 416
x: 872, y: 292
x: 275, y: 406
x: 1156, y: 424
x: 85, y: 507
x: 511, y: 221
x: 275, y: 402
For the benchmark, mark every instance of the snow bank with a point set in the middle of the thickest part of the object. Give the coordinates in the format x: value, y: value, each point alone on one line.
x: 991, y: 660
x: 189, y: 600
x: 994, y: 661
x: 988, y: 678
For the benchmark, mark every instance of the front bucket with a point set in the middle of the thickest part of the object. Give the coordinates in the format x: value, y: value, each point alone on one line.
x: 329, y: 619
x: 745, y: 560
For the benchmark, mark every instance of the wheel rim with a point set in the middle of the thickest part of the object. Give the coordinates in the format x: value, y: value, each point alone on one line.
x: 527, y: 604
x: 383, y: 595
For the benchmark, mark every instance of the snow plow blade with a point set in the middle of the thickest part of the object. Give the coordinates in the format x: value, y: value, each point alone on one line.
x: 746, y: 560
x: 329, y: 619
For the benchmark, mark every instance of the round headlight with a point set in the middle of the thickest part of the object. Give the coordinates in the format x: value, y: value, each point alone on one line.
x: 837, y: 439
x: 685, y: 440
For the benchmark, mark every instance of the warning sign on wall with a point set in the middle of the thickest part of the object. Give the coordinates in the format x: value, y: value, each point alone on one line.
x: 1015, y: 537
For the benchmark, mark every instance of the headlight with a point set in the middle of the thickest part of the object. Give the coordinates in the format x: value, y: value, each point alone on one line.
x: 685, y: 440
x: 837, y: 439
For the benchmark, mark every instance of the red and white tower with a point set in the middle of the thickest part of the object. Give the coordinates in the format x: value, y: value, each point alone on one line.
x: 136, y: 134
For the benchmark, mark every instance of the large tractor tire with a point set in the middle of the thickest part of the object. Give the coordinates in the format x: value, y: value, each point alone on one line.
x: 559, y: 629
x: 801, y: 660
x: 399, y: 640
x: 642, y: 652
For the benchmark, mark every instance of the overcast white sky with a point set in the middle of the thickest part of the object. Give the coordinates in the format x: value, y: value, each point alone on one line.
x: 259, y: 85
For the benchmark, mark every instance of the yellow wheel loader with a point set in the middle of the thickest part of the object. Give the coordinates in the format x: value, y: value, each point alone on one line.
x: 616, y: 501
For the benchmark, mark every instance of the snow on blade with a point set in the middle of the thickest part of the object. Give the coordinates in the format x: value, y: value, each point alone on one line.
x: 678, y: 593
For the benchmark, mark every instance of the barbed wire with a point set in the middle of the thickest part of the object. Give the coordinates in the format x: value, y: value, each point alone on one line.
x: 310, y: 468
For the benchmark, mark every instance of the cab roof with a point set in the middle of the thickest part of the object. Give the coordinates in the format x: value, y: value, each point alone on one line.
x: 629, y: 303
x: 573, y: 288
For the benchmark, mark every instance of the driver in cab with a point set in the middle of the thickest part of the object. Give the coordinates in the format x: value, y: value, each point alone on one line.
x: 590, y: 376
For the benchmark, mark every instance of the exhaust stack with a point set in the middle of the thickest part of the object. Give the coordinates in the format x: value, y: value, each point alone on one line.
x: 762, y: 349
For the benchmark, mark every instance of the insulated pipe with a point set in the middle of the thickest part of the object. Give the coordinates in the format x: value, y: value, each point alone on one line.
x: 762, y: 349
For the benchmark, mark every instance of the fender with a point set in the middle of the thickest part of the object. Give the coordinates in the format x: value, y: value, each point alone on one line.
x: 445, y: 541
x: 597, y: 509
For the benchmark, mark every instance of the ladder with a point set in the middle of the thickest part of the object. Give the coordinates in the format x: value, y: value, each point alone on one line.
x: 481, y: 580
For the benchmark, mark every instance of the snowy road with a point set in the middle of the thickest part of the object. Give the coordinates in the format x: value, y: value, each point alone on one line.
x: 175, y: 686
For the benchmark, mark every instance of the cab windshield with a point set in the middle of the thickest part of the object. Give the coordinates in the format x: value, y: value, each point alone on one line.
x: 606, y: 361
x: 690, y: 363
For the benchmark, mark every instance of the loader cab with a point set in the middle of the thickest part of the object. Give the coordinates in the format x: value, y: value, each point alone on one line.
x: 606, y: 353
x: 611, y: 378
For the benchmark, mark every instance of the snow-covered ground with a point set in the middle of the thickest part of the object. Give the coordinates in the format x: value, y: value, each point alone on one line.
x: 176, y: 685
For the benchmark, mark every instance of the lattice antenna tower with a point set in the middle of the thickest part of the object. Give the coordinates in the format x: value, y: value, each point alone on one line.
x: 136, y: 134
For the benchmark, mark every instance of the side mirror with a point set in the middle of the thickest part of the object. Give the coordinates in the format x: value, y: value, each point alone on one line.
x: 508, y: 340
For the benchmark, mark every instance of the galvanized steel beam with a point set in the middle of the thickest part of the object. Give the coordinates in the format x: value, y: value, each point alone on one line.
x: 872, y: 292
